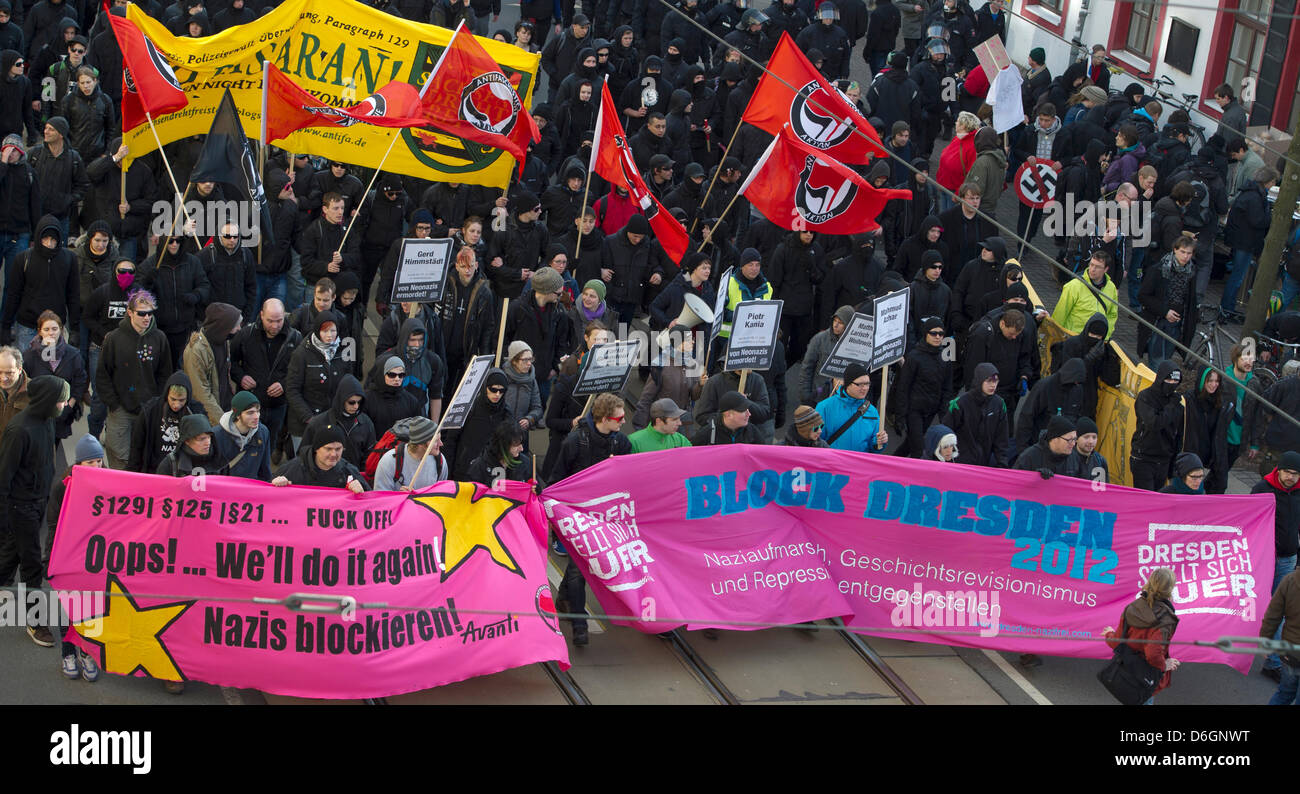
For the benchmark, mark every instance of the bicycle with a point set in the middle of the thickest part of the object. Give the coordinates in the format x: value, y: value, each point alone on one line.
x: 1205, y: 345
x: 1270, y: 356
x: 1189, y: 103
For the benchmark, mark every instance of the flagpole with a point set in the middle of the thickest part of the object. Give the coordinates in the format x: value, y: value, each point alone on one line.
x: 397, y: 133
x: 577, y: 251
x: 175, y: 186
x: 708, y: 238
x: 716, y: 171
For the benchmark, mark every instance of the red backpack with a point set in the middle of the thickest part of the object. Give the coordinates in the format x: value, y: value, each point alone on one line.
x: 387, y: 442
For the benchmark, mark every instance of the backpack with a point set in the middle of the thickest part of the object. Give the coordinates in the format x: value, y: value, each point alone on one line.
x: 1198, y: 214
x: 389, y: 441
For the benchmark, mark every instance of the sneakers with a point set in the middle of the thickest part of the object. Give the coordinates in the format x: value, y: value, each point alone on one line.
x: 558, y: 548
x: 41, y: 636
x: 70, y: 670
x: 1274, y: 673
x: 89, y: 670
x: 580, y: 636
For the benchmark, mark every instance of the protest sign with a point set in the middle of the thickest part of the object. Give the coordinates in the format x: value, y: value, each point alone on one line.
x: 855, y: 344
x: 720, y: 304
x: 791, y: 534
x: 422, y: 268
x: 471, y: 383
x: 607, y: 367
x: 890, y: 328
x: 472, y: 561
x: 754, y: 326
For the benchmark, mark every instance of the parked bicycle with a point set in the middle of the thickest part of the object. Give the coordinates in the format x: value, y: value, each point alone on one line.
x: 1189, y: 104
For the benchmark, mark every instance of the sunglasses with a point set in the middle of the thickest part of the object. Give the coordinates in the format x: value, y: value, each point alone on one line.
x: 1015, y: 278
x: 353, y: 401
x: 618, y: 418
x: 20, y: 63
x: 148, y: 313
x: 230, y: 237
x: 394, y: 374
x: 934, y: 333
x: 496, y: 390
x: 78, y: 51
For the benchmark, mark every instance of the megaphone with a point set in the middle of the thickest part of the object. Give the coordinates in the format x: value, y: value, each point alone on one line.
x: 695, y: 311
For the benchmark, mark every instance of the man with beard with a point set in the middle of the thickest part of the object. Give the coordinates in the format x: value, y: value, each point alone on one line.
x: 323, y: 465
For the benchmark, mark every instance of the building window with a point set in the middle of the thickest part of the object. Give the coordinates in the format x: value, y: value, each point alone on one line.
x: 1246, y: 49
x: 1141, y: 29
x: 1051, y: 5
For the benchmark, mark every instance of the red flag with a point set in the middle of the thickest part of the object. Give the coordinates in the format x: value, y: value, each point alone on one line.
x: 611, y: 157
x: 467, y: 95
x: 287, y: 108
x: 817, y: 112
x: 149, y: 86
x: 797, y: 187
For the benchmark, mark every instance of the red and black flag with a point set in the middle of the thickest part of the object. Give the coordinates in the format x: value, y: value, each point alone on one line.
x: 149, y: 86
x: 287, y: 108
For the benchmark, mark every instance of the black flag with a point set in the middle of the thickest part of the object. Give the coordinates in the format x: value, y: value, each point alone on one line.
x: 227, y: 158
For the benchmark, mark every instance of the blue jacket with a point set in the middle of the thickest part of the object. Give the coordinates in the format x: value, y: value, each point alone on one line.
x: 256, y: 462
x: 861, y: 435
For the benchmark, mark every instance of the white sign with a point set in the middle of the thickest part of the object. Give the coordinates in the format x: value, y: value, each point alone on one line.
x: 720, y: 304
x: 891, y: 328
x: 753, y: 335
x: 471, y: 383
x: 422, y: 266
x: 607, y: 367
x: 1004, y: 96
x: 855, y: 344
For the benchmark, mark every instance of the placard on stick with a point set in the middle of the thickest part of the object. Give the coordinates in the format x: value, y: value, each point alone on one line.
x: 422, y: 268
x: 753, y: 335
x: 720, y: 304
x: 855, y: 344
x: 891, y: 328
x: 607, y: 367
x: 471, y: 383
x: 992, y: 55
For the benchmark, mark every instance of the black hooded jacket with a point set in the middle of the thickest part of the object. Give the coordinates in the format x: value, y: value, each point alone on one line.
x: 977, y: 278
x: 179, y: 283
x: 1059, y: 394
x: 462, y: 446
x: 924, y: 385
x: 133, y: 367
x: 156, y: 432
x: 313, y: 378
x: 302, y: 470
x: 27, y: 450
x: 232, y: 277
x: 1098, y: 356
x: 426, y: 373
x: 20, y: 197
x: 16, y: 115
x: 979, y: 422
x: 1160, y: 419
x: 795, y: 270
x: 358, y: 429
x: 908, y: 259
x: 264, y: 360
x: 386, y: 403
x: 41, y: 278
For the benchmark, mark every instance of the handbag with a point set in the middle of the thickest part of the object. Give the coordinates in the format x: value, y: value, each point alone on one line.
x: 1128, y: 676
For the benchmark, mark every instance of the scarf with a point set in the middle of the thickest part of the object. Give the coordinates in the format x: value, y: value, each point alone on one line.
x: 326, y: 350
x: 590, y: 316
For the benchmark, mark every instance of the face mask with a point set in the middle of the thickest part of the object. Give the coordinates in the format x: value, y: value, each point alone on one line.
x: 125, y: 280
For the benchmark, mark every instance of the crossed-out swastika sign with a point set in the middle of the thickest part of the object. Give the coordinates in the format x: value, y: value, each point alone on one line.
x: 1036, y: 184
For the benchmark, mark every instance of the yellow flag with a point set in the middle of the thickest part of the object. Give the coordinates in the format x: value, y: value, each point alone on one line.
x: 341, y: 52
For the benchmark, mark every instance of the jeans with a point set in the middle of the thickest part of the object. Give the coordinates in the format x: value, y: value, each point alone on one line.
x: 23, y: 336
x: 274, y: 418
x: 1238, y: 267
x: 1290, y: 289
x: 1286, y: 688
x: 11, y: 245
x: 1282, y: 566
x: 877, y: 60
x: 128, y: 249
x: 296, y: 287
x: 626, y: 312
x: 1160, y: 349
x: 1204, y: 258
x: 20, y: 545
x: 1135, y: 277
x: 271, y: 287
x: 98, y: 410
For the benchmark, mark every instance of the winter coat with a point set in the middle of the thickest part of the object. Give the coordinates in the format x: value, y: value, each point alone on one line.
x: 1249, y: 220
x: 302, y: 470
x: 546, y: 330
x: 20, y: 198
x: 523, y: 398
x: 521, y: 247
x: 180, y: 285
x: 1158, y: 432
x: 760, y: 410
x: 989, y: 171
x: 893, y: 97
x: 27, y: 452
x: 91, y: 122
x: 1098, y: 356
x: 316, y: 247
x: 976, y: 279
x: 255, y: 463
x: 851, y: 280
x: 667, y: 305
x: 924, y: 384
x: 40, y: 278
x: 632, y: 265
x: 586, y: 446
x: 232, y: 278
x: 265, y: 360
x: 63, y: 179
x: 795, y: 270
x: 71, y: 368
x: 468, y: 318
x: 464, y: 445
x: 1141, y: 621
x: 1273, y: 431
x: 838, y: 410
x: 1154, y: 297
x: 311, y: 382
x: 669, y: 378
x: 1060, y: 394
x: 955, y: 161
x: 979, y: 422
x: 156, y: 432
x: 1123, y: 168
x: 1208, y: 418
x: 133, y: 367
x: 426, y: 372
x: 358, y: 429
x: 93, y: 271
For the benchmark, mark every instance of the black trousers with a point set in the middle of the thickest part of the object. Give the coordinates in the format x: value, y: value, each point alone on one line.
x: 914, y: 443
x: 20, y: 544
x: 1148, y: 474
x: 573, y: 589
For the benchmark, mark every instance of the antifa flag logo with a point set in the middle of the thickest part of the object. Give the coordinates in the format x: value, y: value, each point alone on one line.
x: 819, y: 202
x: 160, y: 65
x: 490, y: 103
x: 813, y: 125
x: 648, y: 206
x: 336, y: 116
x: 373, y: 105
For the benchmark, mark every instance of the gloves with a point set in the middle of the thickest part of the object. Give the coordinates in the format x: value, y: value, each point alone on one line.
x: 1095, y: 354
x: 1046, y: 473
x: 1024, y: 387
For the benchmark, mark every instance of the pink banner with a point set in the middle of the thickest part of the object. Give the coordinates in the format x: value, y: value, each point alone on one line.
x: 1001, y: 559
x: 449, y: 582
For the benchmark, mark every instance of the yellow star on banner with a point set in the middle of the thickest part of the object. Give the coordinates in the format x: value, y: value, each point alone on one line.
x: 131, y: 636
x: 469, y: 524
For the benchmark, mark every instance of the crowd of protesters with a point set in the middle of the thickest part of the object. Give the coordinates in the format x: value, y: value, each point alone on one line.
x: 188, y: 350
